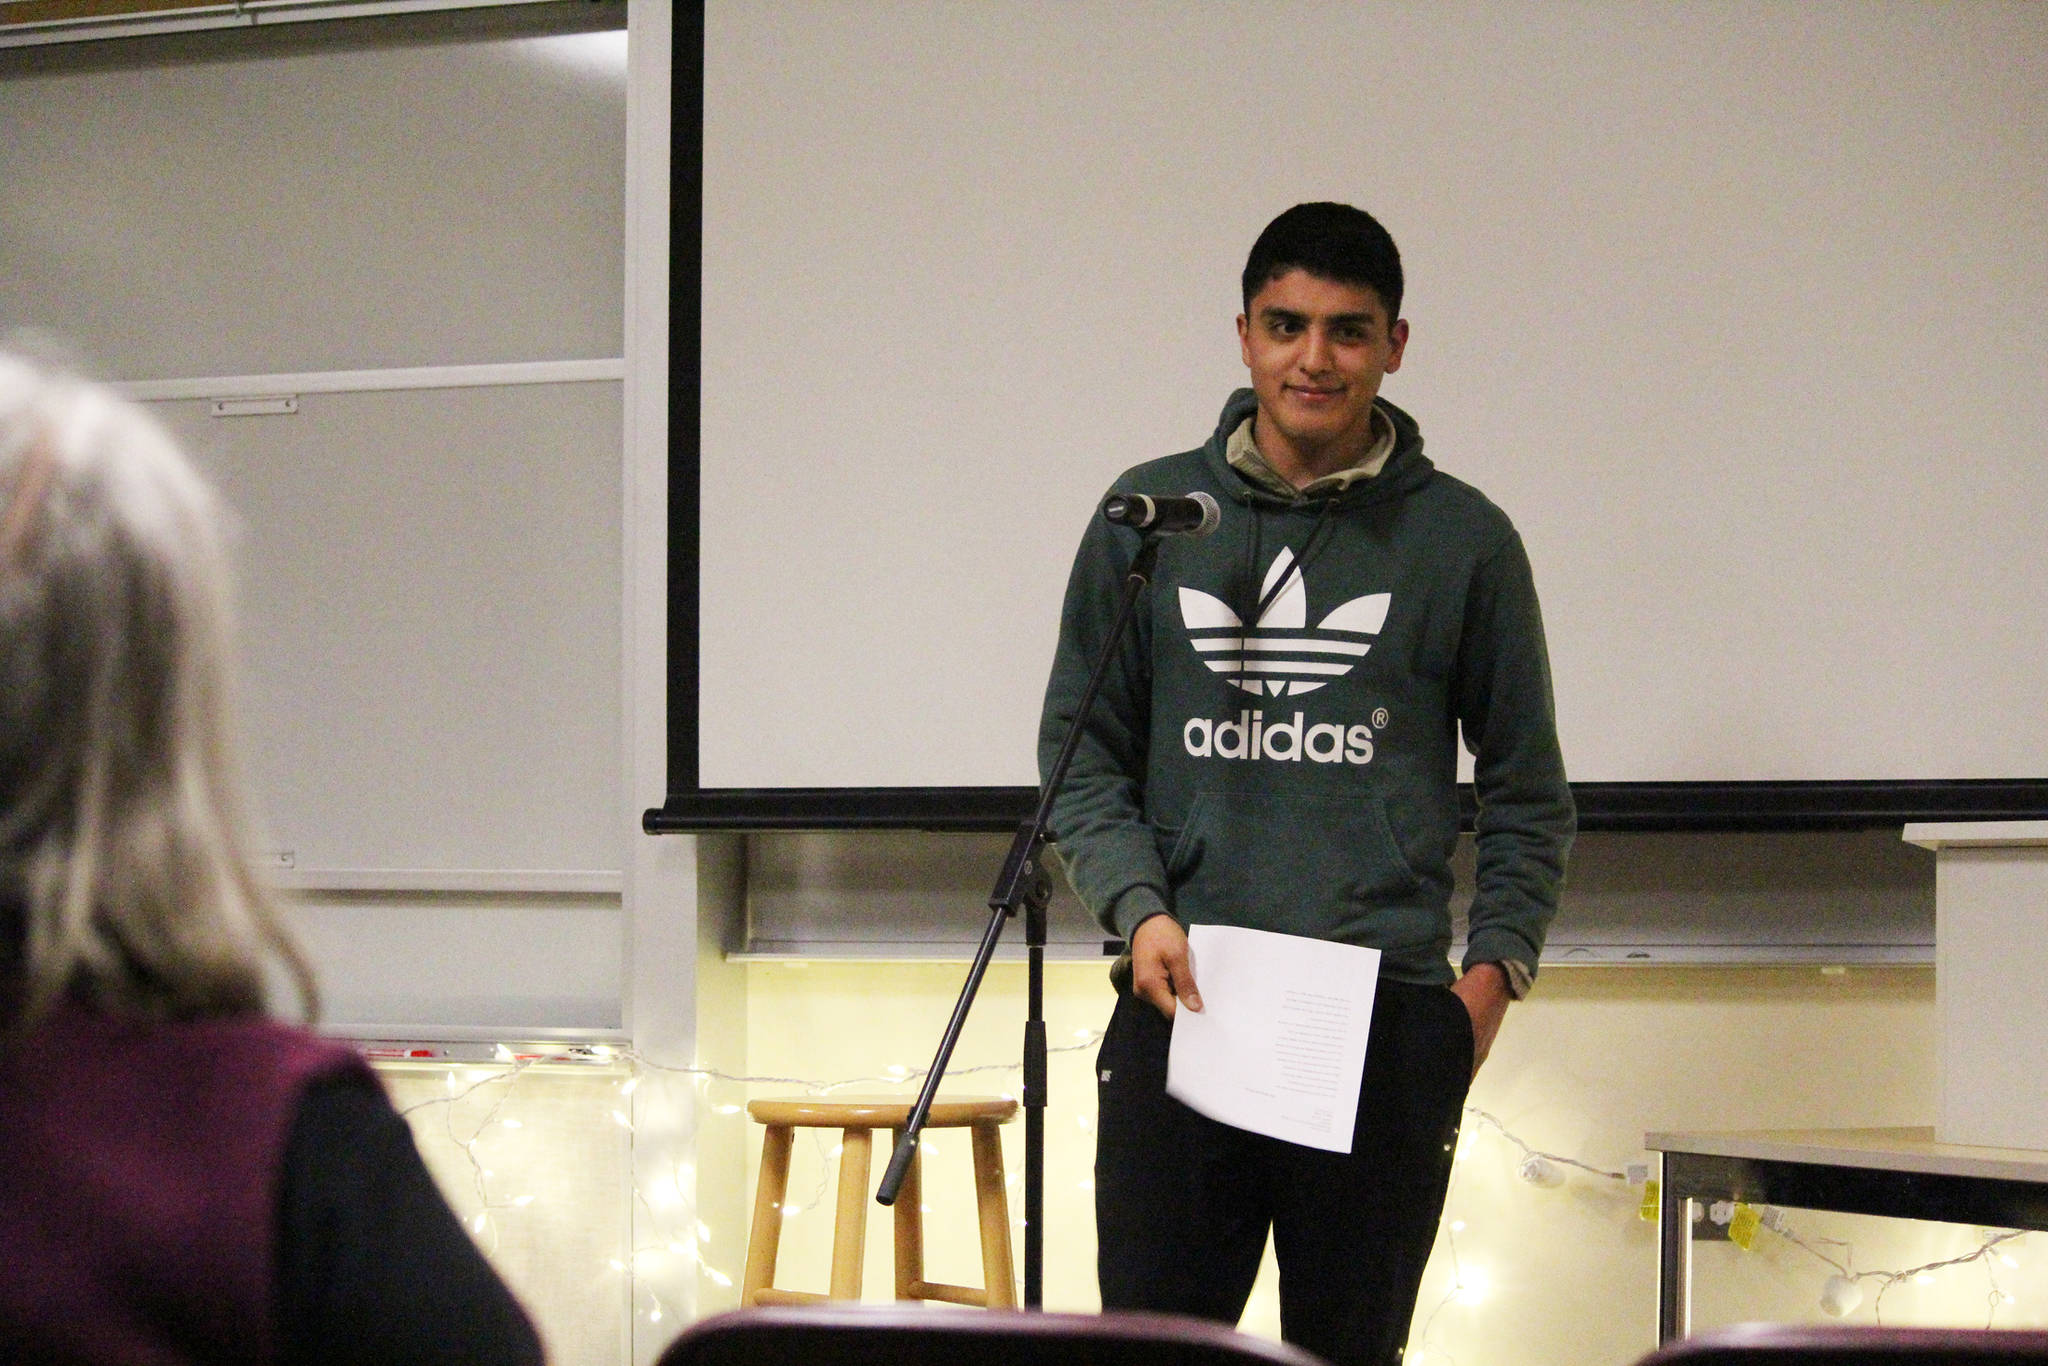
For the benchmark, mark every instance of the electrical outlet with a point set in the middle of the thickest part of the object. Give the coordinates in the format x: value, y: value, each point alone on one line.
x: 1705, y: 1230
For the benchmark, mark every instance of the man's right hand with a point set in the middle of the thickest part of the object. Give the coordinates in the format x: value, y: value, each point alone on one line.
x: 1161, y: 971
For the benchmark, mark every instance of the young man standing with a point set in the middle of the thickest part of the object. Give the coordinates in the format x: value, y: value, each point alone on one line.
x: 1276, y: 748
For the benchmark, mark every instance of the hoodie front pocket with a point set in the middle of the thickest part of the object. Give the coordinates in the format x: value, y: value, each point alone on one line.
x: 1286, y: 862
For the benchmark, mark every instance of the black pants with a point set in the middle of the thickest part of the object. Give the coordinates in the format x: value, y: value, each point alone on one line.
x: 1183, y: 1203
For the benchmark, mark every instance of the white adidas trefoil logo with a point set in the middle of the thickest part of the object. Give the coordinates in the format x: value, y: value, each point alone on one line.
x: 1282, y: 656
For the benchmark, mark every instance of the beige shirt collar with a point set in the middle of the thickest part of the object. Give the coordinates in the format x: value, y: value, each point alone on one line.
x: 1242, y: 453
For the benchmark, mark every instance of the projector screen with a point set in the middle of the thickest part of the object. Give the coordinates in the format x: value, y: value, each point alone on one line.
x: 1739, y: 310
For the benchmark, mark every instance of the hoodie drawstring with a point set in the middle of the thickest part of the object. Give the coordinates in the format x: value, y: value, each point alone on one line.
x: 1299, y: 566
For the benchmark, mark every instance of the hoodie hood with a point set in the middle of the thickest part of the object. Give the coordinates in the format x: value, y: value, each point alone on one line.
x: 1406, y: 469
x: 1276, y: 745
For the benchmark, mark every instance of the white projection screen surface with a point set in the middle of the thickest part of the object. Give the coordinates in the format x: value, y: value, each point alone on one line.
x: 1739, y: 309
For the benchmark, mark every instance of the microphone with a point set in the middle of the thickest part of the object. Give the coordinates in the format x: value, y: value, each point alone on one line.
x: 1194, y: 515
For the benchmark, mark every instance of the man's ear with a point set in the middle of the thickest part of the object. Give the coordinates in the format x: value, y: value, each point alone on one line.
x: 1398, y: 335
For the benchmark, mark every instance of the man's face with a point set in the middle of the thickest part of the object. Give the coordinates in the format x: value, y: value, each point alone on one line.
x: 1317, y: 351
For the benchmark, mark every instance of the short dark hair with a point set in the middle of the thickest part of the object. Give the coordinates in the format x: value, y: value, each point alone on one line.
x: 1332, y: 242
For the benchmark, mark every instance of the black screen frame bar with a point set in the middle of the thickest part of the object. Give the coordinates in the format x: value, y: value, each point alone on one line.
x: 1753, y: 807
x: 685, y: 393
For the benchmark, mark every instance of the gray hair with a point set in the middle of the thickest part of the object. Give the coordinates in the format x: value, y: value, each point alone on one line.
x: 121, y: 821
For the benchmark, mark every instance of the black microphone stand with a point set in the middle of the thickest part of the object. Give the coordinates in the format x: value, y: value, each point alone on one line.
x: 1022, y: 885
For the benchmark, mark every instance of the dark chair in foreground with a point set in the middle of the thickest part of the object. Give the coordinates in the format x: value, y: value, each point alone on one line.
x: 901, y: 1335
x: 1784, y: 1344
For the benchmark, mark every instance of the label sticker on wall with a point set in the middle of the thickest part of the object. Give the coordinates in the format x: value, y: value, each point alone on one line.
x: 1742, y: 1228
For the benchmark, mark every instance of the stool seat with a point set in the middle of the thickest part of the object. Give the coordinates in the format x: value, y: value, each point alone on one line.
x: 857, y: 1117
x: 879, y: 1112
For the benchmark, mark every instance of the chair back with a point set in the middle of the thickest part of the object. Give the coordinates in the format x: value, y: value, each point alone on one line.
x: 891, y: 1335
x: 1785, y: 1344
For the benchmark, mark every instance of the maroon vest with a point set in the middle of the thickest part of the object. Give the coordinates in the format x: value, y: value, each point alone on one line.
x: 140, y: 1174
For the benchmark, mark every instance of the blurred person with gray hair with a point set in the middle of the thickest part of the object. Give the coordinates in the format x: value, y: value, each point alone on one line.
x: 183, y: 1178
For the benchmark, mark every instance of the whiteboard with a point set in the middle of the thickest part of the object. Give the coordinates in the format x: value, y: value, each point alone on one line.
x: 1735, y: 308
x: 430, y: 579
x: 430, y: 607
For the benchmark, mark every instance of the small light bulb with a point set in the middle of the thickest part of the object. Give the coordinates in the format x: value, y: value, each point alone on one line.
x: 1924, y: 1278
x: 522, y: 1200
x: 632, y: 1084
x: 1457, y: 1225
x: 515, y: 1124
x: 719, y: 1276
x: 1840, y: 1296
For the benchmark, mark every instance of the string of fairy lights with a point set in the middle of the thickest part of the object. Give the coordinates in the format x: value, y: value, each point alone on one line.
x: 1841, y: 1293
x: 679, y: 1232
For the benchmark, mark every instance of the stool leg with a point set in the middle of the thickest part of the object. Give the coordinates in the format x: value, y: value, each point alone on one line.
x: 910, y: 1227
x: 992, y: 1200
x: 766, y: 1237
x: 849, y: 1235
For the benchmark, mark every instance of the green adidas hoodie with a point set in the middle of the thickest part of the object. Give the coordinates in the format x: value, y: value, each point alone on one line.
x: 1301, y: 775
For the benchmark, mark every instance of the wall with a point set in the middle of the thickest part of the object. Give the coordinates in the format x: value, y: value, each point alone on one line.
x: 1825, y: 897
x: 1597, y: 1057
x: 430, y: 573
x: 536, y: 1164
x: 420, y: 190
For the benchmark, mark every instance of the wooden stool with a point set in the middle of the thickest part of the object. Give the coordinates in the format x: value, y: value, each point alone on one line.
x: 858, y: 1118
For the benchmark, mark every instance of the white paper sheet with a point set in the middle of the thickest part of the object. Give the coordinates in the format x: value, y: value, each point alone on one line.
x: 1279, y: 1045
